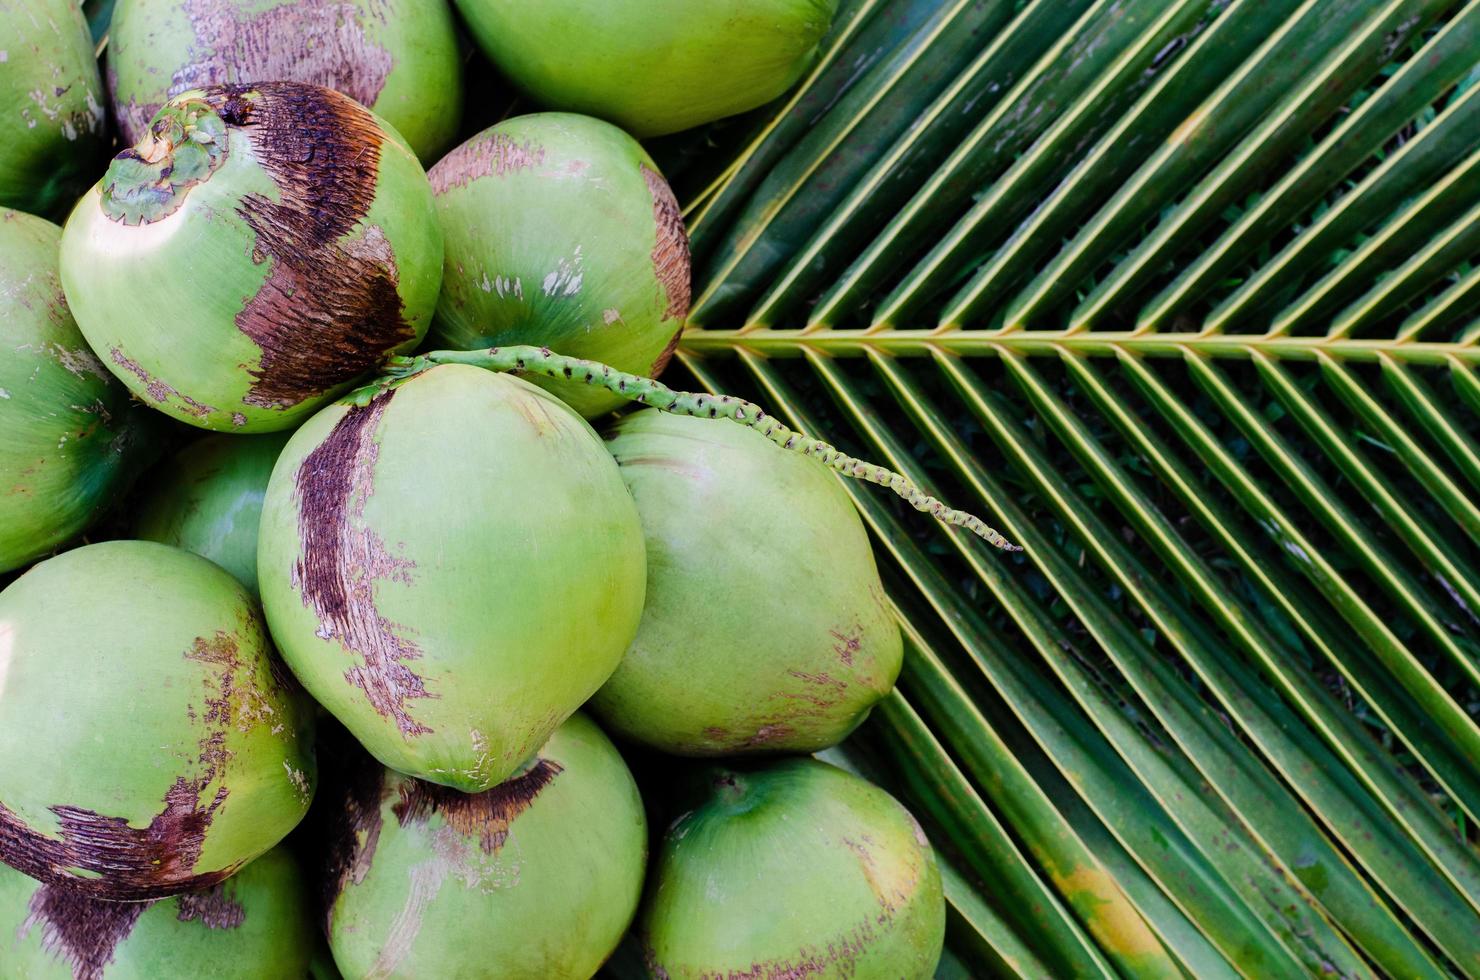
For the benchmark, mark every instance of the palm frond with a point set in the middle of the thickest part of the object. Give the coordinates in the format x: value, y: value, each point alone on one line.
x: 1183, y: 296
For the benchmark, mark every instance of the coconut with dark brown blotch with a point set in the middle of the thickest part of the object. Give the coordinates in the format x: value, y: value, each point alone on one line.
x: 70, y: 439
x: 536, y: 878
x: 796, y: 869
x: 53, y: 129
x: 149, y: 743
x: 766, y: 628
x: 399, y: 58
x: 560, y: 232
x: 260, y: 249
x: 257, y: 924
x: 451, y: 566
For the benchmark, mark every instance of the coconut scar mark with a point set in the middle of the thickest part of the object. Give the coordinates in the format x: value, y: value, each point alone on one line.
x: 342, y: 559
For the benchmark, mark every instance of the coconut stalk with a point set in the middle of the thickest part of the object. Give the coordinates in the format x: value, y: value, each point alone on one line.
x: 546, y: 363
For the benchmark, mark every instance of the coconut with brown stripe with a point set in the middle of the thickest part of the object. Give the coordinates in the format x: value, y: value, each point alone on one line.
x: 257, y: 251
x: 536, y: 877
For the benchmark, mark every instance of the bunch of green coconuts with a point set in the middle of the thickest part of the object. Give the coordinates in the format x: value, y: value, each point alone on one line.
x: 419, y: 595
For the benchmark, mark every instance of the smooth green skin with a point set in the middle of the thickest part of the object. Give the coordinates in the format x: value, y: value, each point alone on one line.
x: 527, y: 577
x: 69, y: 439
x: 48, y: 150
x: 398, y: 57
x: 651, y: 66
x: 208, y: 499
x: 166, y: 293
x: 275, y: 939
x: 552, y: 902
x: 101, y: 709
x: 797, y: 865
x: 759, y: 575
x: 558, y: 254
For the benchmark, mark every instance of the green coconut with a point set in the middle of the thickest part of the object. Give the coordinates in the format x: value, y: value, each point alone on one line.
x: 451, y: 567
x: 651, y: 66
x: 536, y: 878
x: 766, y: 628
x: 797, y: 869
x: 208, y: 499
x: 399, y: 58
x: 561, y: 233
x: 255, y: 925
x: 148, y: 745
x: 52, y: 124
x: 257, y: 252
x: 70, y: 441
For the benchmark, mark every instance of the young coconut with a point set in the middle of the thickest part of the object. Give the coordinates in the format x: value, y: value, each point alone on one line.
x: 70, y: 439
x: 399, y: 58
x: 739, y: 671
x: 143, y: 762
x: 208, y: 499
x: 559, y: 230
x: 259, y: 250
x: 52, y: 125
x: 536, y: 878
x: 451, y: 565
x: 651, y: 66
x: 796, y: 869
x: 256, y: 924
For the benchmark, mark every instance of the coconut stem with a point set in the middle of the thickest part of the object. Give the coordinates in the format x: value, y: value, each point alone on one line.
x: 647, y: 391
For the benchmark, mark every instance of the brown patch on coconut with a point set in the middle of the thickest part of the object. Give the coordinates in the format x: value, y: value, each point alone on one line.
x: 838, y: 956
x: 671, y: 262
x: 848, y: 644
x: 766, y: 735
x: 81, y: 931
x: 123, y: 863
x: 492, y: 155
x: 485, y: 816
x: 156, y: 389
x: 321, y: 42
x: 352, y: 833
x: 671, y: 249
x: 342, y: 559
x: 663, y: 359
x: 212, y: 908
x: 330, y: 309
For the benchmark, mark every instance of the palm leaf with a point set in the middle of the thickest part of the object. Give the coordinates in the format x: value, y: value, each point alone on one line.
x: 1182, y: 295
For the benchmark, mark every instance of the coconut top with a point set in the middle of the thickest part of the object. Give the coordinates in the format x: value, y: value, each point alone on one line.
x: 184, y: 146
x: 257, y: 251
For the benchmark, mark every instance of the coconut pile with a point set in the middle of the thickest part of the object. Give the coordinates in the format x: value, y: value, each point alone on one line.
x: 369, y: 608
